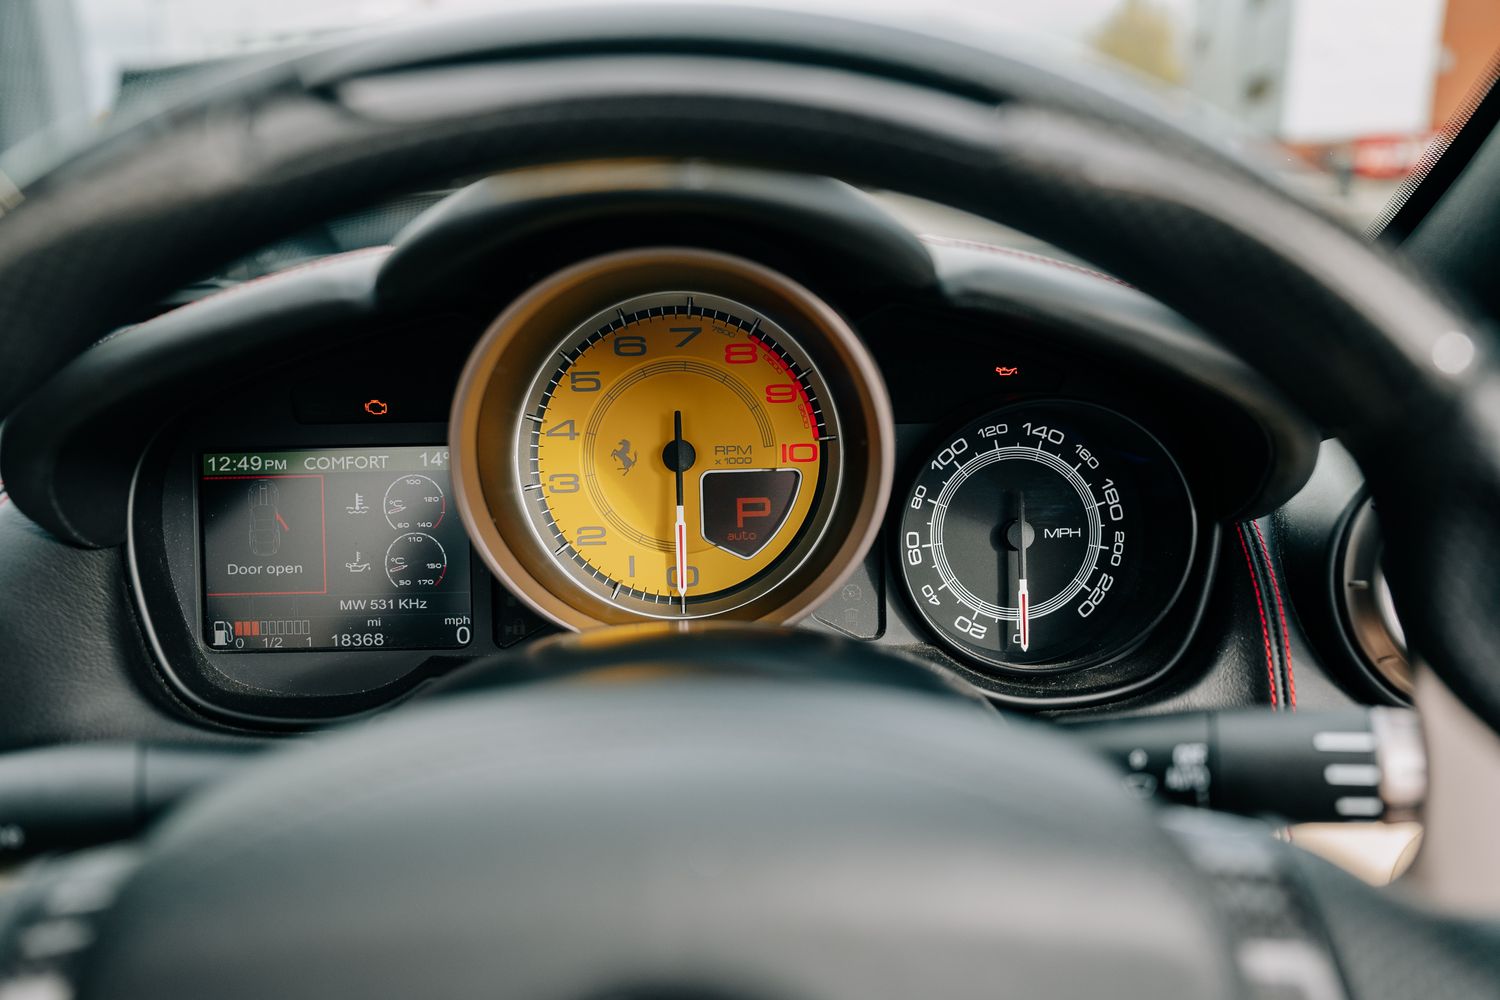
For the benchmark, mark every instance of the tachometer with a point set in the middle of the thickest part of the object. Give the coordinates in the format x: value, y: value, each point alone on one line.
x: 1046, y: 535
x: 671, y: 434
x: 676, y: 450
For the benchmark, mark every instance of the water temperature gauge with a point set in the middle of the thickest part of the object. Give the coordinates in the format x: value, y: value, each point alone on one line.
x: 1046, y: 535
x: 415, y: 503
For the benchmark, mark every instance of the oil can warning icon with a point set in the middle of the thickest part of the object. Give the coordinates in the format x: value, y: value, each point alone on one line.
x: 743, y: 509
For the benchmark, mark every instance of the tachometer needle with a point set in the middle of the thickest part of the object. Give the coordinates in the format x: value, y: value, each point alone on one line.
x: 680, y: 533
x: 1023, y: 597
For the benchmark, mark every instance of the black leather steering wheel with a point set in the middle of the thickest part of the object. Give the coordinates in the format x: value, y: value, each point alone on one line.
x: 819, y: 840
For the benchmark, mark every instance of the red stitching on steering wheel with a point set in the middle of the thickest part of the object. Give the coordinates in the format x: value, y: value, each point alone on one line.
x: 1260, y: 605
x: 1286, y: 639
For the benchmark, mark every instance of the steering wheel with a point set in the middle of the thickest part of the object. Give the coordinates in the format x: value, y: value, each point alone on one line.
x: 695, y: 834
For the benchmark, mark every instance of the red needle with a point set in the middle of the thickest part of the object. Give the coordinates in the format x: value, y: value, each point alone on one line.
x: 1025, y: 617
x: 1024, y: 597
x: 680, y: 533
x: 682, y: 557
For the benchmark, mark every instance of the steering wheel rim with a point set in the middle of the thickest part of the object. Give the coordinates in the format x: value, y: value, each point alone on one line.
x: 1346, y: 330
x: 811, y: 818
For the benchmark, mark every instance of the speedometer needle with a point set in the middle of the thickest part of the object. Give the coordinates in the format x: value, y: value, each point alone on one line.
x: 1021, y: 593
x: 680, y: 532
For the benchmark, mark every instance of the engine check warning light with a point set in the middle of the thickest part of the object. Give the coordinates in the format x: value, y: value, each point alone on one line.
x: 377, y: 407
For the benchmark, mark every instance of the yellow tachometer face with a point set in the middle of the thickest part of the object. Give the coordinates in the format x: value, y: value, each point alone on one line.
x: 670, y: 433
x: 669, y: 387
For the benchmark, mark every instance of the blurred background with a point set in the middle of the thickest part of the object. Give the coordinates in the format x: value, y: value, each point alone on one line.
x: 1348, y: 92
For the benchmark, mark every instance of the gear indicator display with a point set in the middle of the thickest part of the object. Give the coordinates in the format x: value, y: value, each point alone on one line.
x: 332, y: 549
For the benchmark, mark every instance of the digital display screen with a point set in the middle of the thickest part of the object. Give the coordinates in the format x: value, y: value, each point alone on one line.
x: 335, y: 548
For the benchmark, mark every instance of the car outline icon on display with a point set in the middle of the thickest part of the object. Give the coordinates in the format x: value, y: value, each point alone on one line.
x: 265, y: 519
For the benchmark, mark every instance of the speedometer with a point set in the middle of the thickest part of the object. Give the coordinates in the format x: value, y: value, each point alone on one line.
x: 1046, y: 535
x: 671, y: 434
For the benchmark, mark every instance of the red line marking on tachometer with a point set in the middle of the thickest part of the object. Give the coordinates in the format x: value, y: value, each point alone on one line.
x: 807, y: 407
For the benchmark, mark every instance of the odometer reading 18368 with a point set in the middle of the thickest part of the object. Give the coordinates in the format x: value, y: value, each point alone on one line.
x: 1046, y: 535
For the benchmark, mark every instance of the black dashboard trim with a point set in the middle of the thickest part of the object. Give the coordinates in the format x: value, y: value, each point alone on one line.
x: 1110, y: 319
x: 70, y: 450
x: 832, y: 230
x: 69, y: 453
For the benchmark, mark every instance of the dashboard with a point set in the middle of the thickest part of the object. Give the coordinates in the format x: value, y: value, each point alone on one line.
x: 350, y: 479
x: 622, y: 403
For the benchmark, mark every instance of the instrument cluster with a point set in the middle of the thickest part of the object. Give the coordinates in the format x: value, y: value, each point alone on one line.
x: 682, y: 435
x: 666, y: 394
x: 1013, y: 470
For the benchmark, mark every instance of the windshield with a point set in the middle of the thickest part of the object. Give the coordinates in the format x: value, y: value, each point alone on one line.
x: 1349, y: 92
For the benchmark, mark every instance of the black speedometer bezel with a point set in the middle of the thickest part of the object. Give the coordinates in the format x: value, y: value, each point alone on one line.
x: 1128, y: 665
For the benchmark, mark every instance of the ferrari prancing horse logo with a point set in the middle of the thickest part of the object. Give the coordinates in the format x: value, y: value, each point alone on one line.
x: 625, y: 456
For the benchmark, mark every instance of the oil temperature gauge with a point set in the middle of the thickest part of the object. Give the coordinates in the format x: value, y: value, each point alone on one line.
x: 1046, y: 535
x: 416, y: 561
